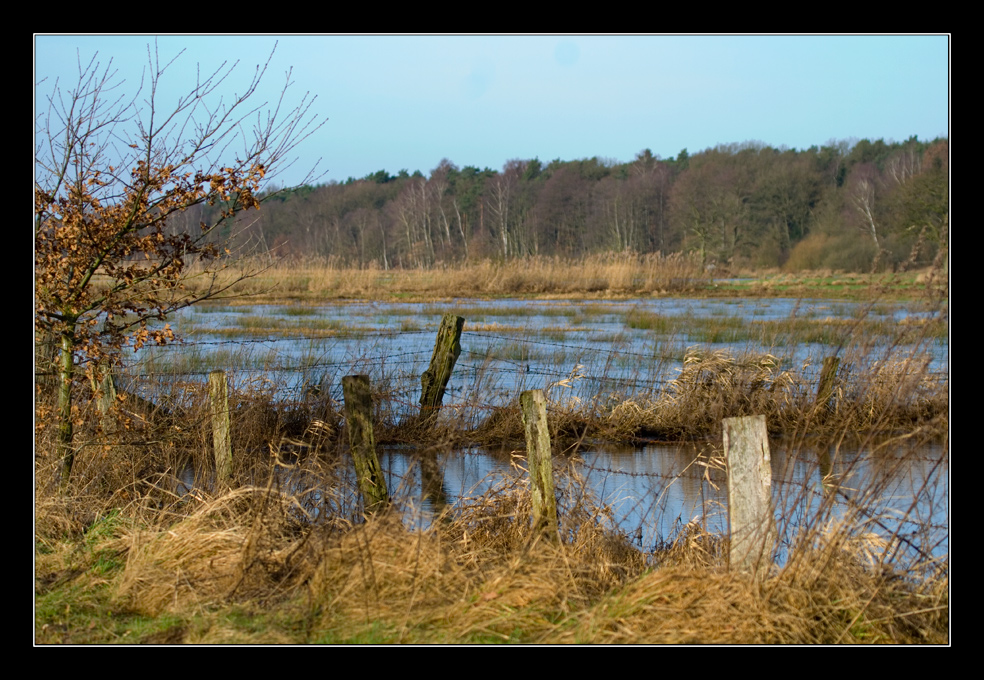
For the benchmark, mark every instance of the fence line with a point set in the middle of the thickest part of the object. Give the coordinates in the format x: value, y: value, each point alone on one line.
x: 520, y: 366
x: 464, y: 371
x: 509, y: 376
x: 403, y: 390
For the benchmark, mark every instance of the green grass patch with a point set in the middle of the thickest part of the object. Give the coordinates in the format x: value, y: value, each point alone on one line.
x: 376, y: 633
x: 645, y: 320
x: 206, y: 308
x: 726, y: 329
x: 300, y: 310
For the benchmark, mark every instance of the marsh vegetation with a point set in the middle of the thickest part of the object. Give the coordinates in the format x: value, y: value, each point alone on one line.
x: 144, y: 547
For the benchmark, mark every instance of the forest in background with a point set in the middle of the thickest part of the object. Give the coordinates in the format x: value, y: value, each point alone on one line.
x: 849, y: 205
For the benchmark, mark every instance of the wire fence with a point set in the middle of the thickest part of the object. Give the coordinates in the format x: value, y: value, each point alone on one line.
x: 649, y: 491
x: 514, y: 362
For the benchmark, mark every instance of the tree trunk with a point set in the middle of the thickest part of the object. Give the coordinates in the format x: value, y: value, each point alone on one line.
x: 66, y: 451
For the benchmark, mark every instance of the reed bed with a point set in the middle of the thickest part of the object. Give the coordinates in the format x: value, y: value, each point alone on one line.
x: 716, y: 384
x: 605, y: 275
x: 612, y: 274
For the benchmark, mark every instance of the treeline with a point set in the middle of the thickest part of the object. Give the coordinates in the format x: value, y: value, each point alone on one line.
x: 841, y: 206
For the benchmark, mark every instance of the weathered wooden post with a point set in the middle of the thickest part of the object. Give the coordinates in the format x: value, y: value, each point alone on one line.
x: 106, y: 389
x: 534, y: 406
x: 358, y: 414
x: 753, y: 528
x: 435, y: 379
x: 218, y: 390
x: 825, y: 388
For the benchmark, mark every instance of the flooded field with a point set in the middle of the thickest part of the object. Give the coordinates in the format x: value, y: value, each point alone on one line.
x: 602, y: 353
x: 583, y: 347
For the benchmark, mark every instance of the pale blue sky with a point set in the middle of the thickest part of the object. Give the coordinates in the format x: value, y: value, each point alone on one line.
x: 396, y: 102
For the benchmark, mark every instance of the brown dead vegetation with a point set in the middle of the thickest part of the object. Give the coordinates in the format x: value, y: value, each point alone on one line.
x: 481, y: 575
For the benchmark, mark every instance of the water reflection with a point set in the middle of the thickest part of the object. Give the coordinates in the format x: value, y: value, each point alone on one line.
x: 654, y: 490
x: 893, y: 493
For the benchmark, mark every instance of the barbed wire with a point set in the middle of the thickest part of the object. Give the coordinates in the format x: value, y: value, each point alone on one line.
x: 400, y: 386
x: 531, y: 365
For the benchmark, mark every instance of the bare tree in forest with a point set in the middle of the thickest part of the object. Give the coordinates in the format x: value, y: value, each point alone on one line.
x: 501, y: 188
x: 863, y: 198
x: 112, y: 171
x: 412, y: 209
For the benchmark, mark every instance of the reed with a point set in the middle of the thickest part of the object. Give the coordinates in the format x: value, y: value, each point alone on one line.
x: 613, y: 274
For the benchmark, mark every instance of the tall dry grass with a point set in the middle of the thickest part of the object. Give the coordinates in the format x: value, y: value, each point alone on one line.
x: 287, y: 542
x: 869, y: 397
x: 481, y: 575
x: 610, y: 273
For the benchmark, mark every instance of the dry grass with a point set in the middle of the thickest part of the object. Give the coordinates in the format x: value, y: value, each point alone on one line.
x: 614, y: 274
x: 601, y: 275
x: 480, y: 575
x: 264, y: 563
x: 715, y: 384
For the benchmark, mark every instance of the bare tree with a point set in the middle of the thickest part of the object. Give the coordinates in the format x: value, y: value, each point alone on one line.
x: 863, y: 198
x: 113, y: 170
x: 904, y: 165
x: 502, y: 197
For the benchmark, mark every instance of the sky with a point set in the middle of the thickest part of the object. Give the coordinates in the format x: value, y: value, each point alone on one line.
x: 395, y: 102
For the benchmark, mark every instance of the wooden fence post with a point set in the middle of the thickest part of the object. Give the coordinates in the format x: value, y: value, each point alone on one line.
x: 750, y: 513
x: 106, y: 389
x: 358, y: 414
x: 534, y: 406
x: 435, y: 379
x: 218, y: 390
x: 825, y: 388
